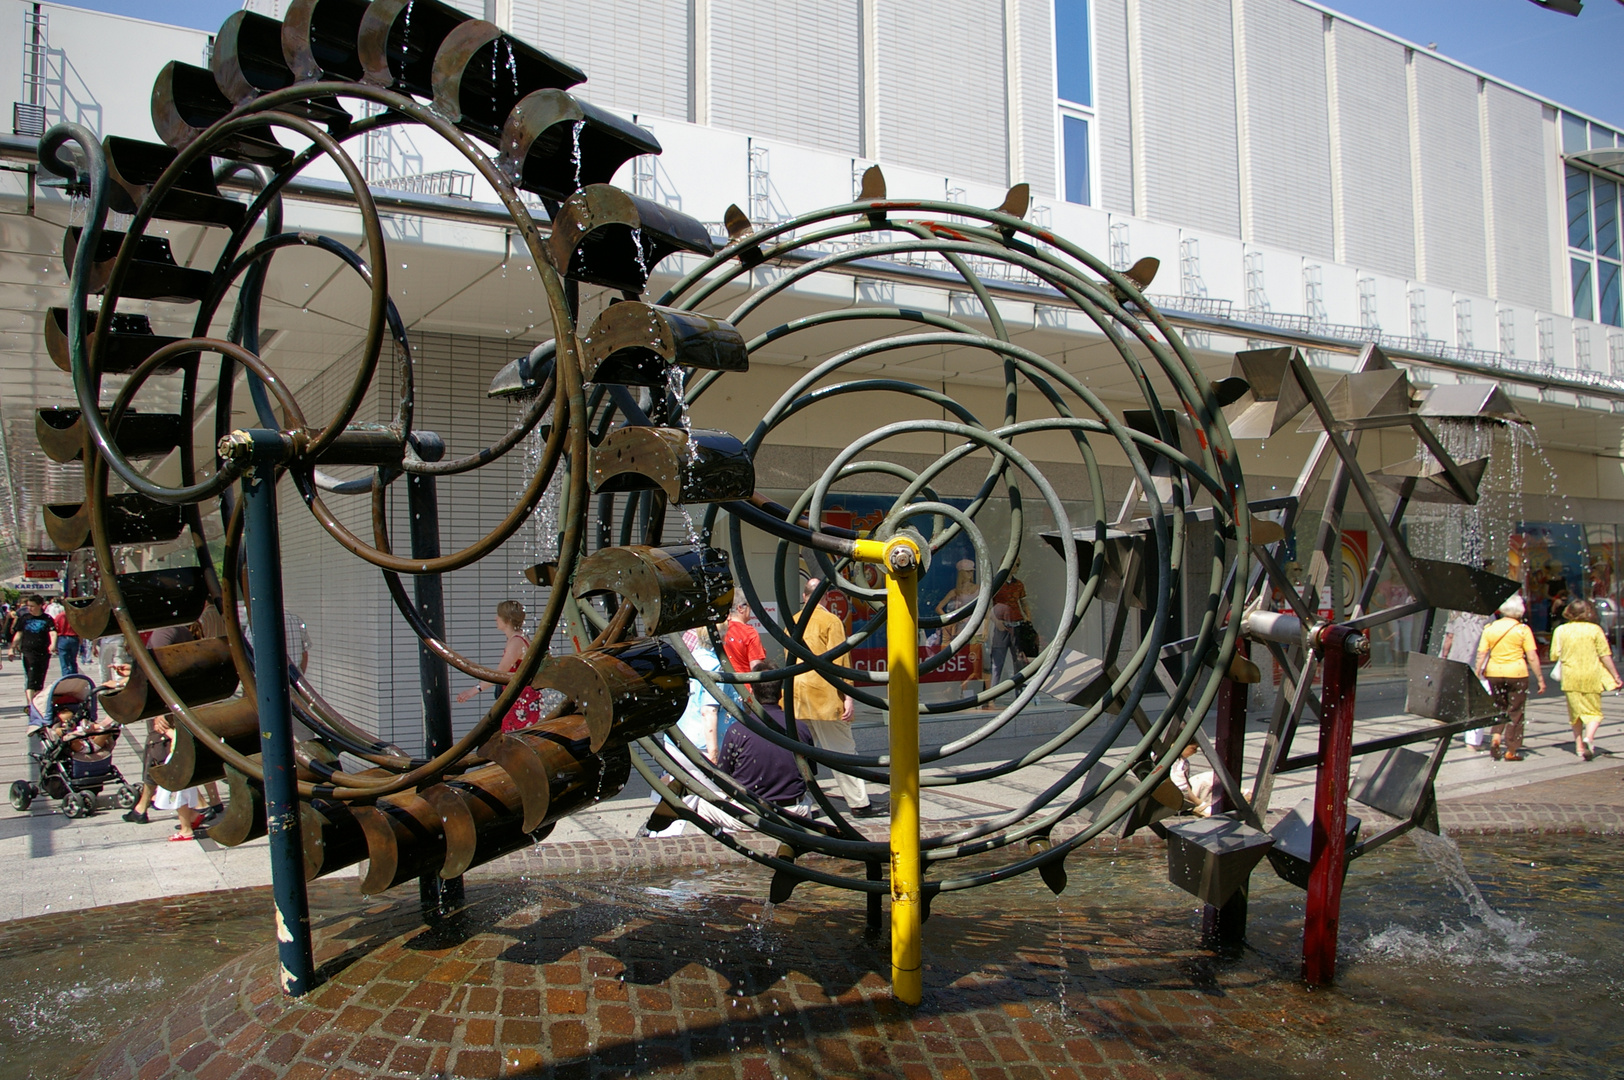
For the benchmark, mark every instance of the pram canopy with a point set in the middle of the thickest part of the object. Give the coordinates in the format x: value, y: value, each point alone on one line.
x: 76, y: 691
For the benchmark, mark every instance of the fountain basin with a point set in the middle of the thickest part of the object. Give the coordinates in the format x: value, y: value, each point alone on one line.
x: 691, y: 973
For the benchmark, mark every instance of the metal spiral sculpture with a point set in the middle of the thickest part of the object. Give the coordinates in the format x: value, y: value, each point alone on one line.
x: 503, y: 105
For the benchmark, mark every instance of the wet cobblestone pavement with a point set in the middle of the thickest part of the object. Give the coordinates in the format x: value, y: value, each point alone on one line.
x: 689, y: 975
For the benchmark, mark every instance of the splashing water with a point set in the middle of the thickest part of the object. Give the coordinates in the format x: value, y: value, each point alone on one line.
x: 1475, y: 535
x: 512, y: 68
x: 641, y: 255
x: 575, y: 159
x: 1492, y: 939
x: 541, y: 545
x: 676, y: 380
x: 406, y: 32
x: 75, y: 1012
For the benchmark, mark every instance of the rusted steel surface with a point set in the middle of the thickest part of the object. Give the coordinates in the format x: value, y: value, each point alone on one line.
x: 140, y: 435
x: 701, y: 465
x: 480, y: 74
x: 366, y: 444
x: 132, y: 518
x: 398, y: 40
x: 200, y: 672
x: 332, y: 837
x: 673, y: 589
x: 134, y: 166
x: 152, y: 599
x: 236, y: 721
x: 636, y: 344
x: 153, y: 272
x: 244, y: 817
x: 405, y: 839
x: 605, y: 236
x: 623, y: 691
x: 247, y: 61
x: 129, y: 342
x: 186, y: 101
x: 319, y: 39
x: 554, y: 144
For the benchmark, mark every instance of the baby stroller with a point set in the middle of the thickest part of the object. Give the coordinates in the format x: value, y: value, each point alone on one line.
x: 75, y: 751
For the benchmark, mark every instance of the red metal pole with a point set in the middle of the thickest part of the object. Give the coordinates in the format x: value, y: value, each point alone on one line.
x: 1341, y: 649
x: 1226, y: 925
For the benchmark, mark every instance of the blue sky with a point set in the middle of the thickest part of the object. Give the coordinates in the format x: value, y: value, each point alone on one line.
x: 1576, y: 61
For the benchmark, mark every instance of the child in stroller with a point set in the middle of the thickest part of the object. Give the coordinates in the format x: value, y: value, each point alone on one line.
x: 75, y: 750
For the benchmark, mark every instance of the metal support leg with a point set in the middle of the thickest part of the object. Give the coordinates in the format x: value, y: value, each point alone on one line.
x: 1342, y: 649
x: 907, y: 899
x: 1226, y: 926
x: 264, y: 556
x: 437, y: 895
x: 873, y: 924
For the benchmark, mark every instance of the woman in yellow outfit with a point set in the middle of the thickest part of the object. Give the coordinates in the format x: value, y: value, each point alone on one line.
x: 1581, y: 648
x: 1505, y: 653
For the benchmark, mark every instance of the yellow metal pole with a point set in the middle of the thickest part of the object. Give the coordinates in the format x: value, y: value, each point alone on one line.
x: 902, y: 640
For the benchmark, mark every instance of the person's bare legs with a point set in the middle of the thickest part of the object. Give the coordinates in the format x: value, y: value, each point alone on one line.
x: 188, y: 819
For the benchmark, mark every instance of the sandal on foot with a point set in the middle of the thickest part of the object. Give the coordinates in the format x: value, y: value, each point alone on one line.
x: 175, y: 838
x: 1514, y: 755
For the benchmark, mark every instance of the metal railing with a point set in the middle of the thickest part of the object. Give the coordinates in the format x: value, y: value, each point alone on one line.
x: 447, y: 183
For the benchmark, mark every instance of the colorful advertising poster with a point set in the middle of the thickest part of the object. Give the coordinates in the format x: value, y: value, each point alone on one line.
x: 1549, y: 558
x: 863, y: 513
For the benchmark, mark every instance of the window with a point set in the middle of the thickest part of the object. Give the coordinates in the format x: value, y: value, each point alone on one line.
x: 1583, y: 305
x: 1074, y: 91
x: 1606, y: 218
x: 1578, y: 208
x: 1075, y: 133
x: 1607, y: 292
x: 1574, y: 139
x: 1073, y: 58
x: 1595, y: 248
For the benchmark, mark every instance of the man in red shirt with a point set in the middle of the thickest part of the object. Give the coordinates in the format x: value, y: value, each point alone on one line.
x: 741, y: 642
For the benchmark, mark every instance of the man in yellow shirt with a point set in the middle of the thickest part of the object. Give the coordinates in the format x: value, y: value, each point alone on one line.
x: 1505, y: 653
x: 825, y: 709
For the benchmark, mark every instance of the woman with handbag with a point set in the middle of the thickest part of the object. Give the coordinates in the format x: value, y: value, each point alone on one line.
x: 1582, y: 666
x: 1505, y: 654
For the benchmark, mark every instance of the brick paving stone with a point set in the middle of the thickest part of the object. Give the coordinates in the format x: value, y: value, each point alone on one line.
x: 594, y: 980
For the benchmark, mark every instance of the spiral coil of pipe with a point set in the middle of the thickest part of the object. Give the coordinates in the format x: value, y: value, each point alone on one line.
x: 616, y: 396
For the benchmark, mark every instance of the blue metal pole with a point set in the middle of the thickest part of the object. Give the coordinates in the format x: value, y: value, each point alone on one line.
x: 263, y: 551
x: 437, y: 896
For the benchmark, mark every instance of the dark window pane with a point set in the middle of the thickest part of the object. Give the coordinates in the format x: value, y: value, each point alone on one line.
x: 1578, y: 208
x: 1073, y: 68
x: 1583, y: 308
x: 1606, y: 218
x: 1076, y: 135
x: 1607, y: 292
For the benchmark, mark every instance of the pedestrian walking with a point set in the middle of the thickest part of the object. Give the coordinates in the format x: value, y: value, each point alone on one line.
x: 701, y: 719
x: 33, y: 638
x: 963, y: 596
x: 67, y: 644
x: 526, y: 711
x: 1582, y: 665
x: 1505, y: 656
x: 742, y: 642
x: 1461, y: 636
x: 828, y: 712
x: 1010, y: 615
